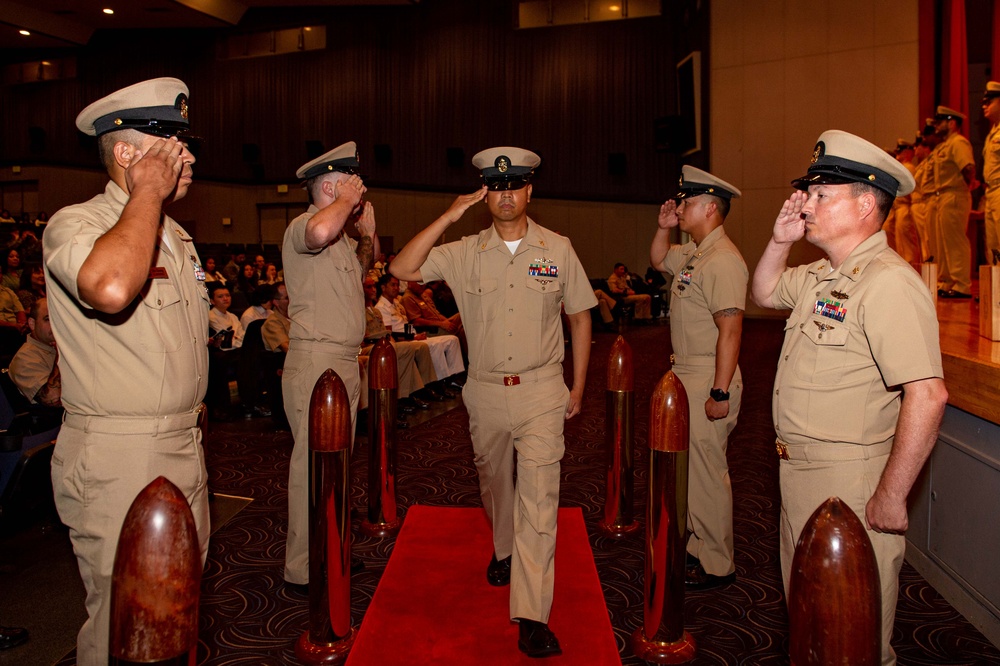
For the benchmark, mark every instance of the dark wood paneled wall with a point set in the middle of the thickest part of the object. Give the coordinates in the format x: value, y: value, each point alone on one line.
x: 420, y: 79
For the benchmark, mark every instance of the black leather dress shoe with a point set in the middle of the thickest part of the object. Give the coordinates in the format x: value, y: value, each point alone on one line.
x: 695, y: 578
x: 421, y: 404
x: 535, y: 639
x: 942, y: 293
x: 498, y: 573
x: 401, y: 424
x: 951, y: 293
x: 12, y: 637
x: 405, y: 407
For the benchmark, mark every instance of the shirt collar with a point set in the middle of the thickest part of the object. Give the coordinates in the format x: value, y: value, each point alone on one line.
x: 857, y: 261
x: 532, y: 237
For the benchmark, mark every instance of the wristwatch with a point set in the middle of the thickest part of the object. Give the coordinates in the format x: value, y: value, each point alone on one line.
x: 719, y: 395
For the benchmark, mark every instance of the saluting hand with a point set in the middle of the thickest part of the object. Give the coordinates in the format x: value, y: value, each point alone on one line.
x: 350, y: 190
x: 366, y: 223
x: 463, y: 203
x: 668, y: 215
x: 158, y: 169
x: 790, y: 226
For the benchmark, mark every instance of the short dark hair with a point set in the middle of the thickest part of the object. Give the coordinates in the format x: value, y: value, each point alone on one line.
x: 883, y: 200
x: 262, y: 294
x: 722, y: 204
x: 214, y: 287
x: 619, y: 264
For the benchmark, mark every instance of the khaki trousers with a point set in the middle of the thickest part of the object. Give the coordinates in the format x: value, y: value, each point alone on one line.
x: 710, y: 493
x: 907, y: 240
x: 97, y: 472
x: 643, y: 305
x: 918, y: 209
x: 303, y: 366
x: 527, y: 418
x: 806, y: 484
x: 951, y: 212
x: 992, y: 221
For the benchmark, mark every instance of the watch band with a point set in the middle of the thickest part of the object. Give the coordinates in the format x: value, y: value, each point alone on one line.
x: 719, y: 395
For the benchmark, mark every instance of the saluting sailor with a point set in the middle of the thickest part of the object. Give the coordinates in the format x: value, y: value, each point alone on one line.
x: 859, y: 392
x: 511, y: 282
x: 129, y: 311
x: 707, y: 301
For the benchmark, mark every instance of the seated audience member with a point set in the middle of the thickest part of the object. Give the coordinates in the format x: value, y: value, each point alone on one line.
x: 260, y: 268
x: 261, y: 301
x: 34, y: 369
x: 271, y: 274
x: 232, y: 269
x: 226, y: 335
x: 277, y: 325
x: 446, y: 351
x: 6, y: 218
x: 605, y: 305
x: 212, y: 274
x: 414, y: 365
x: 245, y: 284
x: 32, y: 286
x: 442, y: 297
x: 13, y: 322
x: 423, y: 314
x: 11, y: 277
x: 274, y: 332
x: 619, y: 285
x: 42, y: 219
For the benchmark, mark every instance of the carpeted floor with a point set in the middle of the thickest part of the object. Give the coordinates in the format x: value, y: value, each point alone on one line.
x: 248, y: 617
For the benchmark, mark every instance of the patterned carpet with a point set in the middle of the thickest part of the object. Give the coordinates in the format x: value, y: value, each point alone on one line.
x: 248, y: 617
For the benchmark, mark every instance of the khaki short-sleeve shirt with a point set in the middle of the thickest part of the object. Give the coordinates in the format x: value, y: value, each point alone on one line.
x: 151, y: 358
x: 991, y: 157
x: 274, y: 331
x: 326, y: 301
x: 31, y: 366
x: 707, y: 278
x: 855, y: 335
x: 953, y: 155
x: 511, y: 303
x: 10, y: 305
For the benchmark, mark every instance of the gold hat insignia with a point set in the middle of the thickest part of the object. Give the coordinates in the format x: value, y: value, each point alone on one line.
x: 502, y: 164
x: 184, y: 107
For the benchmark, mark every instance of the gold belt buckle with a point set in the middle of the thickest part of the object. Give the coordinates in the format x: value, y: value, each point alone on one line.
x: 511, y: 380
x: 673, y: 359
x: 782, y: 450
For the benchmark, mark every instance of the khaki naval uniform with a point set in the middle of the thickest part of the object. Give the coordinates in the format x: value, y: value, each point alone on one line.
x: 132, y: 383
x: 950, y: 203
x: 918, y: 208
x: 907, y: 237
x: 707, y: 278
x: 853, y: 332
x: 511, y: 309
x: 991, y: 176
x: 31, y: 367
x: 326, y: 305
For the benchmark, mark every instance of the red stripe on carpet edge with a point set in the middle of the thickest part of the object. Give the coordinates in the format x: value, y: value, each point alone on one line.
x: 434, y: 606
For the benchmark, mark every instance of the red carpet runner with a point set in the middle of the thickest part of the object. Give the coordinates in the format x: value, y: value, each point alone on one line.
x: 434, y: 606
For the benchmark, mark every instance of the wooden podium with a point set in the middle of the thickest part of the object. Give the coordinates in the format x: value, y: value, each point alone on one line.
x: 989, y: 302
x: 929, y: 274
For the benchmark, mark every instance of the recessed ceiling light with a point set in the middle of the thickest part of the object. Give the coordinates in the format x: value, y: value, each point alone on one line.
x: 25, y: 33
x: 108, y: 11
x: 613, y: 8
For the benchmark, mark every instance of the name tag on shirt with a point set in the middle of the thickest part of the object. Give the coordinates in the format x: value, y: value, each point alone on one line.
x: 157, y: 273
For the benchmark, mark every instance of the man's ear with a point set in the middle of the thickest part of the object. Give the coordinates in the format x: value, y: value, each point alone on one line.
x: 31, y: 324
x: 528, y: 187
x: 124, y: 153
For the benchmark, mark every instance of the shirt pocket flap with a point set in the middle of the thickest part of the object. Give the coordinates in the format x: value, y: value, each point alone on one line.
x: 543, y: 286
x: 824, y: 333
